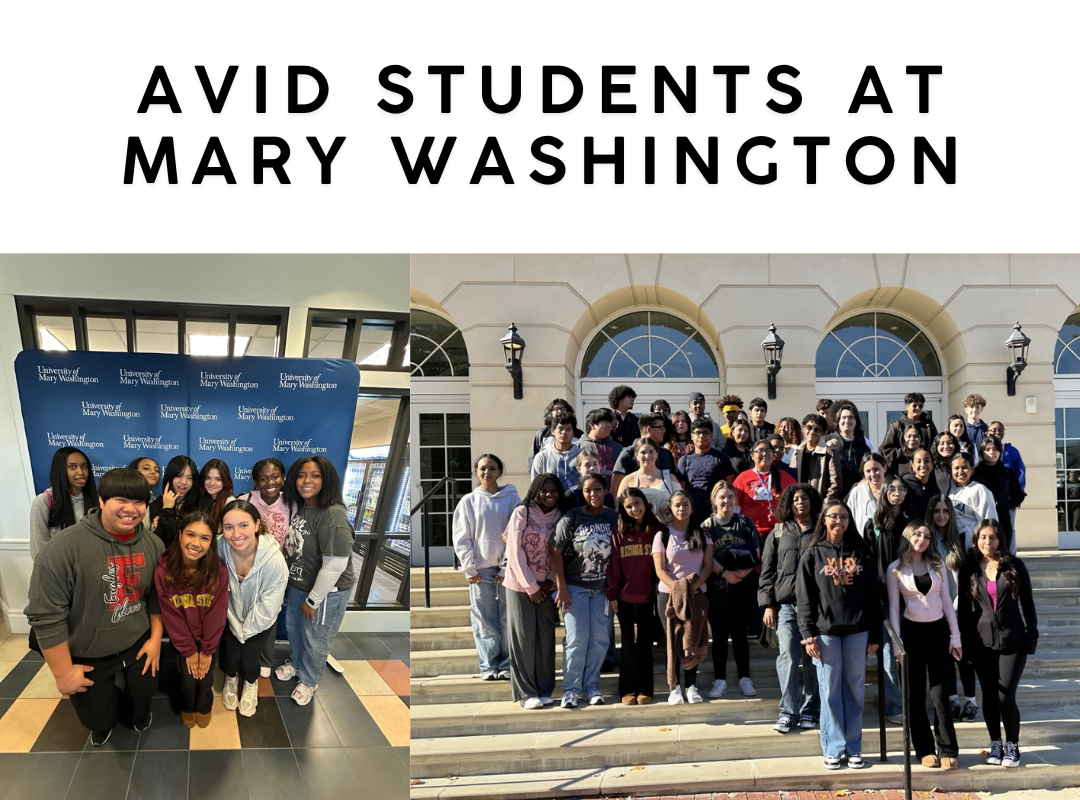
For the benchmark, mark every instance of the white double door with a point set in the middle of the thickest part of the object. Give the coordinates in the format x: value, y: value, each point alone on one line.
x: 594, y: 394
x: 882, y: 401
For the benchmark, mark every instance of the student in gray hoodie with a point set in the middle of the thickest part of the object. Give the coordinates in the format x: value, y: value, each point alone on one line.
x: 479, y: 522
x: 95, y: 611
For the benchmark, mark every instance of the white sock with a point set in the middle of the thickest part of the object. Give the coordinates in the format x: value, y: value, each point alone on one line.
x: 952, y: 697
x: 969, y: 699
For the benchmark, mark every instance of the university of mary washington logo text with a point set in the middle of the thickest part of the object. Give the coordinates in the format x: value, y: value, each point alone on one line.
x: 292, y: 380
x: 297, y: 446
x: 262, y: 414
x: 132, y: 377
x: 115, y: 410
x: 64, y: 375
x: 148, y: 443
x: 78, y: 440
x: 225, y: 380
x: 169, y: 411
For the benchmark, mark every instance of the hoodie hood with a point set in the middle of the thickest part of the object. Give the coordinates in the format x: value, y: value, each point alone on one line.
x: 499, y: 493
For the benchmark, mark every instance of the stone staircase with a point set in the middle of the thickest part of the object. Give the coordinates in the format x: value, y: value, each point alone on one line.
x: 469, y: 740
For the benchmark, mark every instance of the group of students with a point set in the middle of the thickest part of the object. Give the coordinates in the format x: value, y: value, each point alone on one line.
x: 801, y: 527
x: 117, y: 569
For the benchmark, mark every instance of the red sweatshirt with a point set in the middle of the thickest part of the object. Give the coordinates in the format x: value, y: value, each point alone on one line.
x: 630, y: 572
x: 194, y: 623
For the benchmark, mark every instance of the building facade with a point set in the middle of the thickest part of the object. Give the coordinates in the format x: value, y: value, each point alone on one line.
x: 865, y: 327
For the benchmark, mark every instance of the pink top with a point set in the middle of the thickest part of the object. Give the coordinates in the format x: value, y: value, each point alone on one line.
x: 991, y: 589
x: 527, y: 535
x: 682, y: 562
x: 919, y: 607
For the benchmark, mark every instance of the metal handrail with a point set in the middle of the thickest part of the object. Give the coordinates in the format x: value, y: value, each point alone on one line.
x: 901, y: 654
x: 424, y: 505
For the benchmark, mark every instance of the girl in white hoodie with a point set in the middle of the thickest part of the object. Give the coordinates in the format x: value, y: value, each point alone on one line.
x: 257, y: 580
x: 971, y: 500
x: 479, y: 522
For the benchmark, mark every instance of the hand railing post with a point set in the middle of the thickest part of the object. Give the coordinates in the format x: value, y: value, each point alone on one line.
x: 426, y: 532
x: 901, y: 654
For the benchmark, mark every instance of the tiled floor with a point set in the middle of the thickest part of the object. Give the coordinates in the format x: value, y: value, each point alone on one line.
x: 354, y: 733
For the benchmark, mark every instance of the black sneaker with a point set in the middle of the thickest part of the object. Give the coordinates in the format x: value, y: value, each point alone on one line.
x: 1012, y: 755
x: 98, y: 738
x: 145, y: 724
x: 994, y: 756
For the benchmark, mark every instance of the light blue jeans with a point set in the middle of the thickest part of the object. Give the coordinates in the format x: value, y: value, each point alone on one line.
x: 487, y: 610
x: 310, y: 639
x: 792, y: 653
x: 841, y: 679
x: 894, y: 698
x: 587, y: 628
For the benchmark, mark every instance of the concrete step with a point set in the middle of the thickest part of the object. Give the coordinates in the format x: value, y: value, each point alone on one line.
x: 442, y: 596
x: 673, y: 742
x: 440, y: 577
x: 1049, y: 766
x: 505, y: 717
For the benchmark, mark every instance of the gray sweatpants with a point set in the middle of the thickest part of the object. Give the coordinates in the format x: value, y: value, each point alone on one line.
x: 532, y: 645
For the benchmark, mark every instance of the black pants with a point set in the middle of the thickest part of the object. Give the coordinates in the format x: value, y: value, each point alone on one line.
x: 999, y: 673
x: 927, y: 645
x: 687, y: 677
x: 635, y: 661
x: 102, y: 705
x: 967, y: 678
x: 242, y: 657
x: 724, y: 623
x: 198, y: 693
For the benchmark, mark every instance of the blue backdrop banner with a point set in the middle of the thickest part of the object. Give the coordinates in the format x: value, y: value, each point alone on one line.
x: 119, y: 406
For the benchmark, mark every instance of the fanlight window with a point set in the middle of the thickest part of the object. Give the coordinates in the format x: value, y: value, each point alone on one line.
x: 649, y: 344
x: 436, y: 347
x: 874, y: 345
x: 1067, y: 349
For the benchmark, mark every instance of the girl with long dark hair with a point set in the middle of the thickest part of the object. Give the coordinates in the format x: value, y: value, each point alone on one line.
x: 971, y: 500
x: 70, y: 495
x: 531, y: 562
x: 1002, y: 482
x: 181, y: 494
x: 957, y: 426
x: 999, y: 630
x: 217, y: 485
x: 318, y: 550
x: 630, y: 590
x: 193, y: 586
x: 679, y: 443
x: 737, y: 447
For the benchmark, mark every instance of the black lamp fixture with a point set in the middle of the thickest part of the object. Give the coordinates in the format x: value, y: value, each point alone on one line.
x: 513, y: 347
x: 774, y: 354
x: 1017, y: 345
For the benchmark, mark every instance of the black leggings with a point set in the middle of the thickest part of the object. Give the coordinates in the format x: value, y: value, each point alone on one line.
x: 999, y: 673
x: 635, y: 659
x: 927, y: 645
x: 725, y: 622
x: 243, y: 657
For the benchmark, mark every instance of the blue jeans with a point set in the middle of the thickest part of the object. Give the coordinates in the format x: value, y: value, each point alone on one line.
x: 586, y: 639
x: 309, y: 639
x: 894, y: 698
x: 841, y: 679
x: 793, y: 653
x: 487, y: 610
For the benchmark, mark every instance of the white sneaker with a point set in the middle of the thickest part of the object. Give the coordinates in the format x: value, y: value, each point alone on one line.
x: 693, y: 695
x: 719, y: 686
x: 264, y: 672
x: 303, y: 693
x: 533, y: 703
x: 746, y: 686
x: 229, y: 697
x: 547, y: 701
x: 569, y: 699
x: 675, y: 698
x: 595, y: 698
x: 286, y: 672
x: 249, y: 700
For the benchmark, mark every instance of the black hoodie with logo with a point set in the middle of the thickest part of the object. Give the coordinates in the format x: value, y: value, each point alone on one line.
x: 837, y: 589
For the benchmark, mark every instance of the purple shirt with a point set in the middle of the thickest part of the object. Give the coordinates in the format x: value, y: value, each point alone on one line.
x: 682, y: 562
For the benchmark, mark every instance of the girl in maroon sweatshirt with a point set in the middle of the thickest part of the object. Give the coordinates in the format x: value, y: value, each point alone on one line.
x: 193, y: 589
x: 630, y: 589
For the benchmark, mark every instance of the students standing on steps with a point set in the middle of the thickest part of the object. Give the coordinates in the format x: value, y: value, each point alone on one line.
x: 257, y: 580
x: 531, y: 565
x: 70, y: 495
x: 559, y: 452
x: 479, y: 522
x: 630, y: 590
x: 681, y: 551
x: 931, y: 638
x: 999, y: 630
x: 798, y: 511
x: 584, y: 536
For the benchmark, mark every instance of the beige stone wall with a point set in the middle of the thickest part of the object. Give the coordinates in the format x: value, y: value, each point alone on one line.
x: 966, y: 304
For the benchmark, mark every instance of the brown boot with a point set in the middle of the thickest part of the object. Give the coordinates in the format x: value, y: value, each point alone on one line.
x: 930, y: 761
x: 188, y: 717
x: 644, y: 699
x: 202, y: 719
x: 629, y: 700
x: 950, y: 762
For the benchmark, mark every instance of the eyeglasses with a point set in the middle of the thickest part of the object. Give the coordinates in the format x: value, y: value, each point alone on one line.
x: 768, y: 452
x: 811, y: 428
x: 838, y: 517
x: 899, y: 489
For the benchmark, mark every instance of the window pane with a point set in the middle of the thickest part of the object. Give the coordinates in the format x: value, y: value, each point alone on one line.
x: 1059, y: 423
x: 1066, y: 361
x: 373, y: 424
x: 649, y: 344
x: 391, y: 565
x: 431, y: 429
x: 1072, y: 422
x: 458, y: 430
x: 374, y: 349
x: 875, y: 345
x: 325, y: 341
x: 156, y: 335
x: 106, y: 334
x: 55, y: 333
x: 260, y: 339
x: 210, y: 338
x: 436, y: 348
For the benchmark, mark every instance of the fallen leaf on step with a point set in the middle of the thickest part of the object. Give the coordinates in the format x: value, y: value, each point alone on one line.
x: 639, y: 767
x: 416, y: 782
x: 665, y: 729
x: 842, y: 793
x: 451, y: 777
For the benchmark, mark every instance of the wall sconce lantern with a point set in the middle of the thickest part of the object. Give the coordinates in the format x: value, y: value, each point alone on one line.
x: 1017, y: 345
x: 774, y: 354
x: 513, y: 347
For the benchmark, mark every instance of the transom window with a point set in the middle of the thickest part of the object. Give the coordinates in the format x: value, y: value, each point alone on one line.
x: 1067, y: 349
x: 436, y: 347
x: 649, y: 344
x: 875, y: 345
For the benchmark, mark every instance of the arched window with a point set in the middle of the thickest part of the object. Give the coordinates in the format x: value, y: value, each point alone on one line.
x: 876, y: 345
x: 649, y: 344
x: 1067, y: 349
x: 436, y: 347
